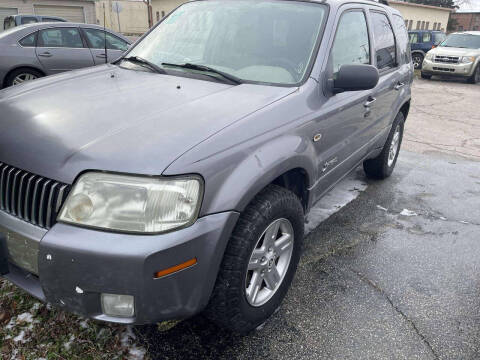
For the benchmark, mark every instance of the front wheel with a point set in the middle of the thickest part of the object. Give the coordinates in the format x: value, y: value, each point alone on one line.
x: 417, y: 60
x: 382, y: 166
x: 475, y: 78
x: 260, y: 261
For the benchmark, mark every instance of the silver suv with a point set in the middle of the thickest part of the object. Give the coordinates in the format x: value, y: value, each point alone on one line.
x: 177, y: 179
x: 458, y: 55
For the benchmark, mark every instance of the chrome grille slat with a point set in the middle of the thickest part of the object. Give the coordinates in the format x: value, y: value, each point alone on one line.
x: 445, y: 59
x: 29, y: 197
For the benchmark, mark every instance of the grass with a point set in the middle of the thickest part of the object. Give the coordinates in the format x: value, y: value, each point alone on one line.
x: 30, y: 329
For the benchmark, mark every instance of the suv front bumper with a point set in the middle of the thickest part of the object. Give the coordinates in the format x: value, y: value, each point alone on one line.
x: 76, y: 265
x: 434, y: 68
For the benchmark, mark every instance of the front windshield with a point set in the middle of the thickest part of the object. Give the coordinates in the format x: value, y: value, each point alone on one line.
x: 462, y: 41
x: 261, y: 41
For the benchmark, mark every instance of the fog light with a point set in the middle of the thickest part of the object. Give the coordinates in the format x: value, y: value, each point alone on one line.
x: 118, y: 305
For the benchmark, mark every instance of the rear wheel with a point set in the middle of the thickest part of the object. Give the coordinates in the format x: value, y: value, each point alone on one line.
x: 20, y: 76
x: 417, y: 60
x: 382, y: 166
x: 425, y: 76
x: 475, y: 78
x: 260, y: 261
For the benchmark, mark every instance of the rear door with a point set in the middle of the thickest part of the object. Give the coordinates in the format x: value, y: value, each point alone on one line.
x: 61, y: 49
x: 96, y: 41
x: 386, y: 93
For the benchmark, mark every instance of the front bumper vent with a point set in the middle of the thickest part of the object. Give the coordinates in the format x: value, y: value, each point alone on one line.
x: 29, y: 197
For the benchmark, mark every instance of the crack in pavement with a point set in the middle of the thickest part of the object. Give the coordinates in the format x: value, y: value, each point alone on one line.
x: 397, y: 309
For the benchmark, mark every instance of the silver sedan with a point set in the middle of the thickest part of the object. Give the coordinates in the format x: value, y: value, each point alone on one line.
x: 36, y: 50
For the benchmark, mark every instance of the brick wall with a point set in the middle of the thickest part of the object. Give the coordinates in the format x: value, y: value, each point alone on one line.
x: 466, y: 21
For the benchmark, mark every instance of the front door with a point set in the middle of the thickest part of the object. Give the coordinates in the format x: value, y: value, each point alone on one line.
x: 345, y: 126
x: 61, y: 49
x: 96, y: 41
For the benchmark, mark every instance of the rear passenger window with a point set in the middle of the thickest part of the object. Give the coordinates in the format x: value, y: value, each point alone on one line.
x: 402, y: 39
x: 351, y: 45
x: 384, y: 41
x: 427, y: 37
x: 60, y: 37
x: 28, y: 41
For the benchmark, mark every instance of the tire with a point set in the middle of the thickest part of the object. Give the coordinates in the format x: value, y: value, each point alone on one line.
x: 475, y: 78
x: 382, y: 166
x: 425, y: 76
x: 27, y: 74
x: 417, y: 60
x: 232, y: 306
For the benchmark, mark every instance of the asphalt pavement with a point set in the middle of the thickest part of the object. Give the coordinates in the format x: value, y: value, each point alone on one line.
x: 394, y: 274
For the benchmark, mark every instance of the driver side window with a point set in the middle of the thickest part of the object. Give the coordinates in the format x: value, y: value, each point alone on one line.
x: 351, y: 44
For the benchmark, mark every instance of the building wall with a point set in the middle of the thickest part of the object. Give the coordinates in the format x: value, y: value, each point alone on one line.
x: 133, y: 17
x: 422, y: 16
x: 466, y: 21
x: 163, y: 7
x: 27, y: 6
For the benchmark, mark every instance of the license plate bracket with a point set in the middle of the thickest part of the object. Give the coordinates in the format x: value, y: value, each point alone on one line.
x: 4, y: 269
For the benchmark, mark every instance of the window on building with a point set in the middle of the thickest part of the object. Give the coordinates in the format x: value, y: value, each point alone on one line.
x: 418, y: 24
x: 351, y: 41
x: 439, y: 26
x: 427, y: 25
x: 384, y: 41
x: 406, y: 23
x: 163, y: 14
x: 410, y: 25
x: 475, y: 28
x: 460, y: 28
x: 423, y: 25
x: 434, y: 26
x: 426, y: 37
x: 158, y: 15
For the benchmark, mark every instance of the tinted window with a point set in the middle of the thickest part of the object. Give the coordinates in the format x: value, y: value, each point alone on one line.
x: 61, y: 37
x: 438, y: 38
x: 462, y: 41
x: 96, y: 40
x: 384, y: 41
x: 28, y: 20
x: 28, y: 41
x: 351, y: 43
x: 402, y: 39
x: 427, y: 37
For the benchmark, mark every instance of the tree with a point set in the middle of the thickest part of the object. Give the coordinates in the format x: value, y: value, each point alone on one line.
x: 441, y: 3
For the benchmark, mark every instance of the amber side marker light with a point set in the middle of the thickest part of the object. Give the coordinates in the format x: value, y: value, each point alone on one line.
x: 175, y: 268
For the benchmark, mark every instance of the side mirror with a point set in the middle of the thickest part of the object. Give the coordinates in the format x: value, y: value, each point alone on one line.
x: 355, y: 78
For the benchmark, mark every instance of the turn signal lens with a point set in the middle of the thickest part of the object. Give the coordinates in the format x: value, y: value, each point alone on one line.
x: 175, y: 268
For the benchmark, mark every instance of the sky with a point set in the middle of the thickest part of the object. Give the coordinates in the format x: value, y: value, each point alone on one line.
x: 470, y: 5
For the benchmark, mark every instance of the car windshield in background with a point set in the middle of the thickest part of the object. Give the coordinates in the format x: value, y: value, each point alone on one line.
x: 467, y: 41
x: 438, y: 37
x: 259, y: 41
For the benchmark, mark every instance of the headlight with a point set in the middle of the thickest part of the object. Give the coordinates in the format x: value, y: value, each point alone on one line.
x: 429, y: 56
x: 468, y: 59
x: 133, y: 204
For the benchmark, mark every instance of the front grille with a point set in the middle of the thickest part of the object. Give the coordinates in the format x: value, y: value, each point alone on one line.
x: 29, y: 197
x: 446, y: 59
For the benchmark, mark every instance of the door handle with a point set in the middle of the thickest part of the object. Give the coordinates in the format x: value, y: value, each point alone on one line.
x: 399, y: 85
x: 45, y: 54
x: 369, y: 101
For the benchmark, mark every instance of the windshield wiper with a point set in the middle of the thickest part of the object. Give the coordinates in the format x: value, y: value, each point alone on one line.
x: 145, y: 63
x: 229, y: 77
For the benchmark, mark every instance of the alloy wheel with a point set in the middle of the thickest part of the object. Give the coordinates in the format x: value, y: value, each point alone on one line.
x: 394, y: 146
x: 21, y: 78
x: 269, y: 262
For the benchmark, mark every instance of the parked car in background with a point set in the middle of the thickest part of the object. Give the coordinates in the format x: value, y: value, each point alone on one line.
x: 17, y: 20
x: 36, y: 50
x: 176, y: 180
x: 421, y: 42
x: 458, y: 55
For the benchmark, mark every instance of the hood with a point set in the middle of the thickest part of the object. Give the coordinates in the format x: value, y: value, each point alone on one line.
x: 452, y: 51
x: 113, y: 119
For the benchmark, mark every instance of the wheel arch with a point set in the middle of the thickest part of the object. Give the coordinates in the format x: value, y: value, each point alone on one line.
x: 26, y: 67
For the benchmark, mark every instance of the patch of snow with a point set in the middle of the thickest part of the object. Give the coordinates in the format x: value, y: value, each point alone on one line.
x: 20, y: 337
x: 68, y: 344
x: 25, y: 318
x: 136, y: 353
x: 35, y: 307
x: 343, y: 193
x: 382, y: 208
x: 84, y: 324
x: 406, y: 212
x: 79, y: 290
x: 128, y: 342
